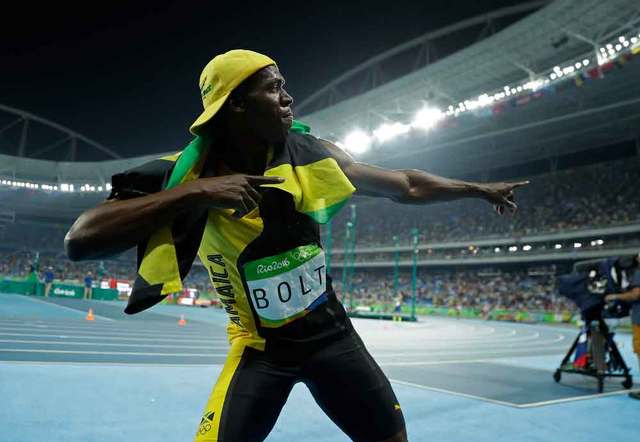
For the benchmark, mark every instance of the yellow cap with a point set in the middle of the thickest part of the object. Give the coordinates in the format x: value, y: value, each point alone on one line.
x: 221, y: 76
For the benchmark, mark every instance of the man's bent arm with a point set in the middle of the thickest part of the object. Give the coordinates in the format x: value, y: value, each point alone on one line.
x: 118, y: 225
x: 416, y: 186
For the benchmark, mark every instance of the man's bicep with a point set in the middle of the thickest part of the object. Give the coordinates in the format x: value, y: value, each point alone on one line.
x: 367, y: 179
x: 377, y: 181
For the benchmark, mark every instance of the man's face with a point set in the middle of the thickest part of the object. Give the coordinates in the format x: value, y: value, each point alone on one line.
x: 268, y: 105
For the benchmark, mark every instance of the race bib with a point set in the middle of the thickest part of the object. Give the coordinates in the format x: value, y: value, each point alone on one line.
x: 285, y: 287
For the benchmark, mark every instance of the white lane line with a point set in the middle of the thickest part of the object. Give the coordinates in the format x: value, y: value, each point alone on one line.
x: 472, y: 350
x: 441, y: 362
x: 447, y: 343
x: 101, y: 344
x: 454, y: 393
x: 128, y: 353
x: 141, y: 324
x: 115, y: 338
x: 576, y: 398
x: 115, y: 326
x: 114, y: 364
x: 67, y: 308
x: 496, y: 355
x: 89, y: 329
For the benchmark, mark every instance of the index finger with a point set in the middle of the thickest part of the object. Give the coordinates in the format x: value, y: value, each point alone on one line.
x: 519, y: 184
x: 259, y: 179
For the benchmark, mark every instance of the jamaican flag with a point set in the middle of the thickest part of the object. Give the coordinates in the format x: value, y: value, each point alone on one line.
x: 313, y: 178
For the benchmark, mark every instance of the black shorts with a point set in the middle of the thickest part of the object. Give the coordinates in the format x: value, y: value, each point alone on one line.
x: 342, y: 376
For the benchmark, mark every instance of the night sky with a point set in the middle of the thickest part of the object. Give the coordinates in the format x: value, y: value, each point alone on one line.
x: 126, y: 76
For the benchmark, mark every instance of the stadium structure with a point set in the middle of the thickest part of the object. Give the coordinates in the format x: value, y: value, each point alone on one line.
x: 538, y: 90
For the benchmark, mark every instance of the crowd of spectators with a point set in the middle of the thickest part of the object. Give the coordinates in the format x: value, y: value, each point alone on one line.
x: 525, y: 289
x: 18, y: 264
x: 531, y: 289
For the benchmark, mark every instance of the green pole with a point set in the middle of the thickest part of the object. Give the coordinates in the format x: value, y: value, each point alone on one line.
x: 414, y: 272
x: 396, y: 264
x: 100, y: 271
x: 329, y: 247
x: 345, y: 261
x: 352, y: 253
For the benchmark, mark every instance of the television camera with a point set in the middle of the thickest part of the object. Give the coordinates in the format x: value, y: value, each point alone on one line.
x: 594, y: 351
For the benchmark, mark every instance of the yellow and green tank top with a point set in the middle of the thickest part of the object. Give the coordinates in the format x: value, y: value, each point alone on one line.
x: 267, y: 268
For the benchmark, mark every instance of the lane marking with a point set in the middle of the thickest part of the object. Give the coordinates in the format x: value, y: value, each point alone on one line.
x: 67, y: 308
x: 492, y: 355
x: 128, y: 353
x: 440, y: 362
x: 511, y: 404
x: 577, y: 398
x: 499, y: 349
x: 454, y: 393
x: 20, y: 341
x: 115, y: 338
x: 89, y: 329
x: 123, y: 364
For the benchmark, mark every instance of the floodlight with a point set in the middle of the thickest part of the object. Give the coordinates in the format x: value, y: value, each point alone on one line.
x: 388, y: 131
x: 357, y: 142
x: 427, y: 117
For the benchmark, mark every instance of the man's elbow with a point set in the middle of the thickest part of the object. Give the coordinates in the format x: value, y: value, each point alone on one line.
x: 73, y: 247
x: 76, y: 244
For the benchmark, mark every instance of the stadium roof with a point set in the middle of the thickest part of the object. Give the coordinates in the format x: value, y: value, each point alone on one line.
x: 561, y: 31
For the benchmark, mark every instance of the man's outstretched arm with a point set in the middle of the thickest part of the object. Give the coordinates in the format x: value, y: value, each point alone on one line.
x: 413, y: 186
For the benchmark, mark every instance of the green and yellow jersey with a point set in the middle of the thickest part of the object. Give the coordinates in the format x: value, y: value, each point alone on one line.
x: 267, y: 268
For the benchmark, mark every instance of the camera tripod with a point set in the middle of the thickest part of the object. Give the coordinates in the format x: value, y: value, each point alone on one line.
x: 603, y: 359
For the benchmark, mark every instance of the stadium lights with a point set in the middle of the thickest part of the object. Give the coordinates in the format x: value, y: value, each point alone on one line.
x: 388, y: 131
x: 428, y: 117
x: 357, y: 142
x: 62, y: 187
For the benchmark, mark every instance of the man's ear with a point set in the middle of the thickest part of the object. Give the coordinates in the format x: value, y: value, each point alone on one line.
x: 237, y: 104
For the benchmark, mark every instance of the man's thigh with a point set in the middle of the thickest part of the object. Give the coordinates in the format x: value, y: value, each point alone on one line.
x: 247, y: 398
x: 353, y: 391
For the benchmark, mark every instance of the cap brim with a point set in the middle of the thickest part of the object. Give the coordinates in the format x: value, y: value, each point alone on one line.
x: 207, y: 115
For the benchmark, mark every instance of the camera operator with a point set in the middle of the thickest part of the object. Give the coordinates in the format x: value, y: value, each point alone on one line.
x: 632, y: 295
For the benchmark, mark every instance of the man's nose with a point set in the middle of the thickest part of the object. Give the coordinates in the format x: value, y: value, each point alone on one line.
x: 286, y: 99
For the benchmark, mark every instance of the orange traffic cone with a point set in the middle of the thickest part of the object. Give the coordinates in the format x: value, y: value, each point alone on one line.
x: 90, y: 315
x: 182, y: 322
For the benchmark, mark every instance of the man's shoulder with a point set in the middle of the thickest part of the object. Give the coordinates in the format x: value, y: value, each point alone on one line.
x: 143, y: 179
